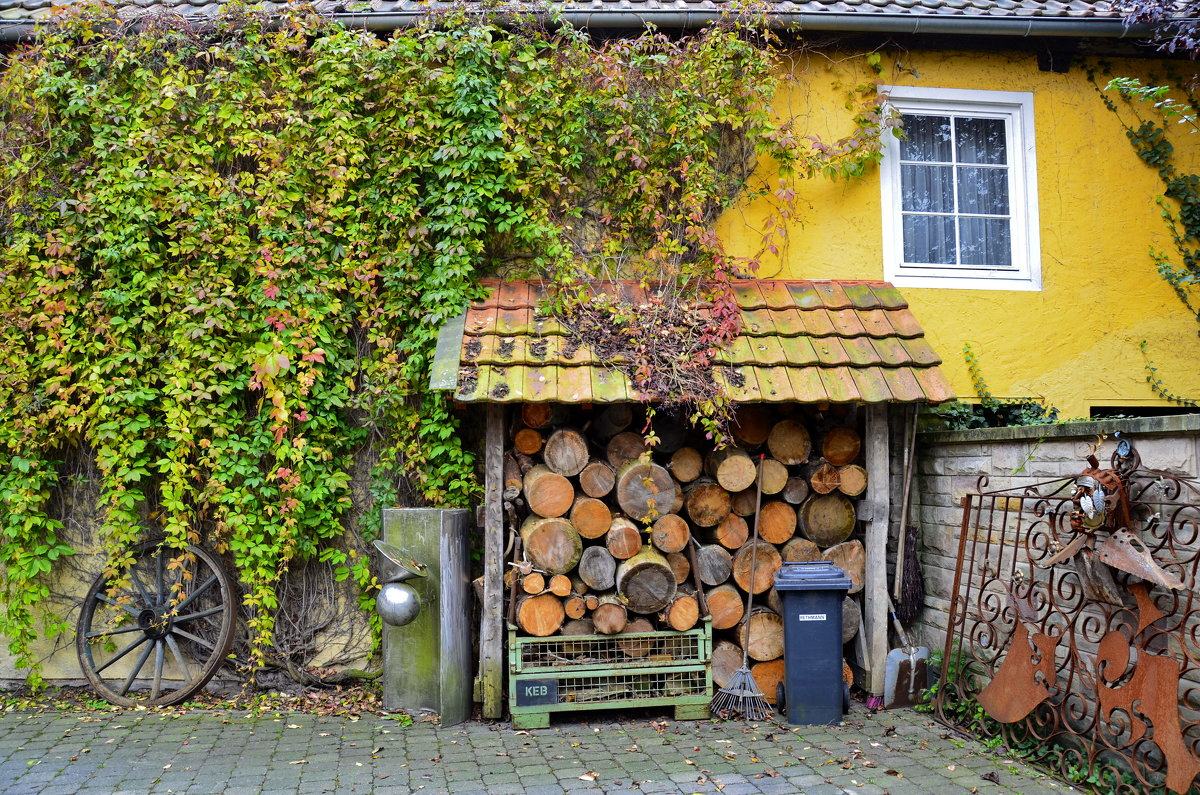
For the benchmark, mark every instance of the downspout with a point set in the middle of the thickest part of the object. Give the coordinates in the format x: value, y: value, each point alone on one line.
x: 981, y: 25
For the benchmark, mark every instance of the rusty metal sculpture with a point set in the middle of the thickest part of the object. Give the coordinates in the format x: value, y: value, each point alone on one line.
x: 1075, y: 622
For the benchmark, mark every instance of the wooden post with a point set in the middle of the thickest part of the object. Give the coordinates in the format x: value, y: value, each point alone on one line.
x: 491, y: 631
x: 875, y: 607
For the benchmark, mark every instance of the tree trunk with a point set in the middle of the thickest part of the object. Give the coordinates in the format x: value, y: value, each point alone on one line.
x: 611, y: 420
x: 851, y: 616
x: 574, y: 606
x: 774, y: 476
x: 776, y: 522
x: 671, y: 533
x: 566, y: 452
x: 610, y: 615
x: 539, y: 415
x: 726, y: 605
x: 789, y: 443
x: 514, y: 478
x: 597, y: 479
x: 527, y: 441
x: 551, y: 544
x: 769, y: 676
x: 726, y: 660
x: 852, y: 480
x: 682, y: 613
x: 644, y: 491
x: 751, y: 425
x: 540, y: 615
x: 713, y: 564
x: 686, y: 464
x: 575, y: 627
x: 680, y: 565
x: 827, y: 519
x: 796, y: 491
x: 707, y: 503
x: 822, y: 477
x: 732, y: 532
x: 645, y: 582
x: 743, y: 503
x: 841, y: 446
x: 624, y: 447
x: 548, y: 493
x: 591, y: 517
x: 560, y: 585
x: 533, y: 583
x: 764, y: 569
x: 598, y: 568
x: 761, y: 634
x: 670, y: 430
x: 637, y: 647
x: 734, y: 470
x: 623, y: 539
x: 850, y: 557
x: 800, y: 550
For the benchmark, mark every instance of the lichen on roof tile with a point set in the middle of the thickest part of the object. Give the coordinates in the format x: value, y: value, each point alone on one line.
x: 774, y: 384
x: 806, y: 295
x: 839, y: 384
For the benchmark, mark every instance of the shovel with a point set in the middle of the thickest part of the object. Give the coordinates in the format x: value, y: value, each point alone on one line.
x: 906, y: 671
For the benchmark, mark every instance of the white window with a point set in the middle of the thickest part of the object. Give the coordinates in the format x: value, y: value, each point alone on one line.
x: 960, y: 191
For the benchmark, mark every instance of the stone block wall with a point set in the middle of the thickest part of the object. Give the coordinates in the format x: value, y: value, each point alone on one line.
x: 951, y: 464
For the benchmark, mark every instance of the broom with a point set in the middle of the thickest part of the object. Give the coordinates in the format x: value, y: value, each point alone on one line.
x: 741, y: 694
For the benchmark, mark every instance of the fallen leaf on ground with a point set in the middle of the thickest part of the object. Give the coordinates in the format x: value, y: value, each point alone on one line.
x: 588, y: 776
x: 895, y: 773
x: 991, y: 776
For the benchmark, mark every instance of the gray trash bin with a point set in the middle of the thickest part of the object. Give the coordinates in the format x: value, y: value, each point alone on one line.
x: 812, y: 595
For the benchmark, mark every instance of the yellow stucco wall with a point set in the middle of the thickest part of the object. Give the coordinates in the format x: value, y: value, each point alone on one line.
x: 1074, y: 342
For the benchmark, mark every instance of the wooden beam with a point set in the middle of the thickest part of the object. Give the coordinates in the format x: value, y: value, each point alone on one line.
x: 875, y: 601
x: 491, y: 631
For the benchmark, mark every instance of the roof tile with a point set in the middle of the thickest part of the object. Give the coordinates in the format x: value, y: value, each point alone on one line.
x: 801, y: 341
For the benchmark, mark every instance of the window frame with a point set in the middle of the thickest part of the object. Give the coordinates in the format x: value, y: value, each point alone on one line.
x: 1016, y: 108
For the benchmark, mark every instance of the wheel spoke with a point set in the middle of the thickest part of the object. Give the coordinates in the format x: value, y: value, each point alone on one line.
x: 122, y: 653
x: 201, y: 614
x: 158, y: 669
x: 194, y: 638
x: 137, y: 668
x: 101, y: 633
x: 109, y: 600
x: 140, y: 587
x: 180, y: 660
x: 196, y: 593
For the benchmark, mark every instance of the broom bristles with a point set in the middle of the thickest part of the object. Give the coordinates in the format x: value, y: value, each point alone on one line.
x: 741, y: 696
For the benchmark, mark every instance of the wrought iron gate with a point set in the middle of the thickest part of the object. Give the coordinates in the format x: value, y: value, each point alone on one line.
x: 1074, y: 632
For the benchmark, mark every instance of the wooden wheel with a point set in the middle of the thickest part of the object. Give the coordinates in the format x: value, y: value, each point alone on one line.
x: 160, y: 638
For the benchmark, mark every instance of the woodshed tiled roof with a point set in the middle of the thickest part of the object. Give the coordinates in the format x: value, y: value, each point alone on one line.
x: 801, y: 342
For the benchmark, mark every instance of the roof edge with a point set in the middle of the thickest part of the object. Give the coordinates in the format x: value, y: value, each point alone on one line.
x: 794, y: 21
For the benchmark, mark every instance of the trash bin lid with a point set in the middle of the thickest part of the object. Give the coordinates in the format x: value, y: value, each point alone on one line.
x: 817, y: 575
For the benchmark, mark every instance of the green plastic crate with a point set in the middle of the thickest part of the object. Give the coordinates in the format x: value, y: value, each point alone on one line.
x: 583, y: 672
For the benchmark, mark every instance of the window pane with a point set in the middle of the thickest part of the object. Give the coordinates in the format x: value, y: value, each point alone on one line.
x: 926, y: 138
x: 985, y: 241
x: 927, y: 189
x: 929, y: 239
x: 982, y: 190
x: 980, y: 141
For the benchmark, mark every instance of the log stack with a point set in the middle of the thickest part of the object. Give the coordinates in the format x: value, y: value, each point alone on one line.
x: 615, y: 537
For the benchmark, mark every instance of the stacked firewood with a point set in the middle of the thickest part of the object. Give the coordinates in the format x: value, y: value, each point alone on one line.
x: 612, y: 537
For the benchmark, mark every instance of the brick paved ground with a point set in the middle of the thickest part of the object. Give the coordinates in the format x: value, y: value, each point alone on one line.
x: 77, y: 753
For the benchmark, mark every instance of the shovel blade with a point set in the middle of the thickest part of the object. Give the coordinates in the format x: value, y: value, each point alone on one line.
x: 906, y: 677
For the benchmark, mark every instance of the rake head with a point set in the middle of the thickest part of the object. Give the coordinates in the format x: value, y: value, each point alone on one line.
x: 741, y: 697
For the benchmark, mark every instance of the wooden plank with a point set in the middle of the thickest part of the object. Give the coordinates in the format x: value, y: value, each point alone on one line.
x: 875, y: 607
x: 491, y: 634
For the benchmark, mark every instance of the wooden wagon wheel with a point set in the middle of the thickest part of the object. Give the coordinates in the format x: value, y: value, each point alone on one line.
x: 159, y: 638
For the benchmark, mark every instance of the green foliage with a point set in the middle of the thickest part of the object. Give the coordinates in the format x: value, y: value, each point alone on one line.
x: 227, y: 254
x: 991, y: 412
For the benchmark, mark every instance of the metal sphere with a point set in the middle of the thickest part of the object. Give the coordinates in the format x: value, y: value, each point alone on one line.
x: 397, y: 604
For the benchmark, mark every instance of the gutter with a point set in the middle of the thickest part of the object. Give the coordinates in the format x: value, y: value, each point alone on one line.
x: 791, y: 21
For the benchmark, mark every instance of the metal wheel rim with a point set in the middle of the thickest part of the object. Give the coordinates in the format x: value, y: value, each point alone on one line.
x: 172, y: 619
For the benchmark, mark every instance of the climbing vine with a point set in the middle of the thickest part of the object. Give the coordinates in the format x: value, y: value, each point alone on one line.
x: 228, y: 251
